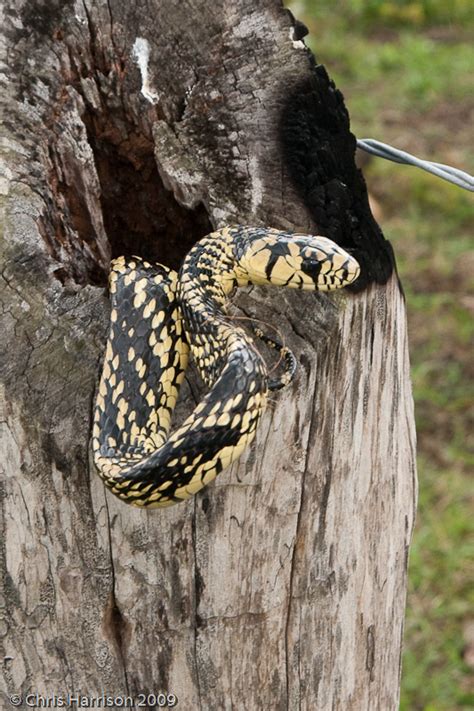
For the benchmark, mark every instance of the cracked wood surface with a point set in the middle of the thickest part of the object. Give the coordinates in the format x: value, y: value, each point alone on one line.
x: 136, y: 127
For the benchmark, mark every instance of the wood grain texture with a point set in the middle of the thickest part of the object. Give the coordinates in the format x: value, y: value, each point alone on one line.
x: 283, y: 584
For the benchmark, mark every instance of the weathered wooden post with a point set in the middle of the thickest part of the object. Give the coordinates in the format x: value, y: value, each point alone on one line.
x: 137, y: 128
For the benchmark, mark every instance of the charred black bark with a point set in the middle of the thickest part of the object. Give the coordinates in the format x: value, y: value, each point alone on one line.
x: 319, y: 154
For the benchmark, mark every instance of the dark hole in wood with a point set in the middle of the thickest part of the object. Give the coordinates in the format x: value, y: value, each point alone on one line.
x: 140, y: 216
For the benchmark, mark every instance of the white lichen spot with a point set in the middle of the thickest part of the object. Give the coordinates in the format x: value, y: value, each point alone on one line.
x: 141, y: 53
x: 297, y: 44
x: 256, y: 185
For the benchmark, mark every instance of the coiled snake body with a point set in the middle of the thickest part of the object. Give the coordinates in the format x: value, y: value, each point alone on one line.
x: 157, y: 317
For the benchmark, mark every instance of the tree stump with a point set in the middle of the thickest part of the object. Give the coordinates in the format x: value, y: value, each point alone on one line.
x: 136, y: 128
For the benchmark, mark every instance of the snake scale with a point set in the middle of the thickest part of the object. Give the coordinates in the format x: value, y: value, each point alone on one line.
x: 159, y: 317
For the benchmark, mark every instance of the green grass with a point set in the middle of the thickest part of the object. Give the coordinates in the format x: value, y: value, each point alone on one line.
x: 365, y: 15
x: 415, y: 71
x: 406, y: 71
x: 440, y: 599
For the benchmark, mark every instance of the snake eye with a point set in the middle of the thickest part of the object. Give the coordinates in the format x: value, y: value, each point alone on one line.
x: 312, y: 267
x: 330, y: 267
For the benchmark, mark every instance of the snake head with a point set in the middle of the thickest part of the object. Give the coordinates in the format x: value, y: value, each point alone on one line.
x: 328, y: 265
x: 268, y: 256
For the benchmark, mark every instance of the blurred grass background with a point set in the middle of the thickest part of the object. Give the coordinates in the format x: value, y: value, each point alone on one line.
x: 406, y: 70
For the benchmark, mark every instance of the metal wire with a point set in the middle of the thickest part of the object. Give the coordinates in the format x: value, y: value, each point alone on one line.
x: 446, y: 172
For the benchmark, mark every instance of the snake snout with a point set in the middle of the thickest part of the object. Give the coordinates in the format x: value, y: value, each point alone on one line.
x: 345, y: 268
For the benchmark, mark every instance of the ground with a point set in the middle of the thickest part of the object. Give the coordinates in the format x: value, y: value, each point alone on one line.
x: 406, y: 71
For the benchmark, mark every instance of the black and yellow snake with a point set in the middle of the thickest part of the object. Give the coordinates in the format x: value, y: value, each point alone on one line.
x: 157, y: 317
